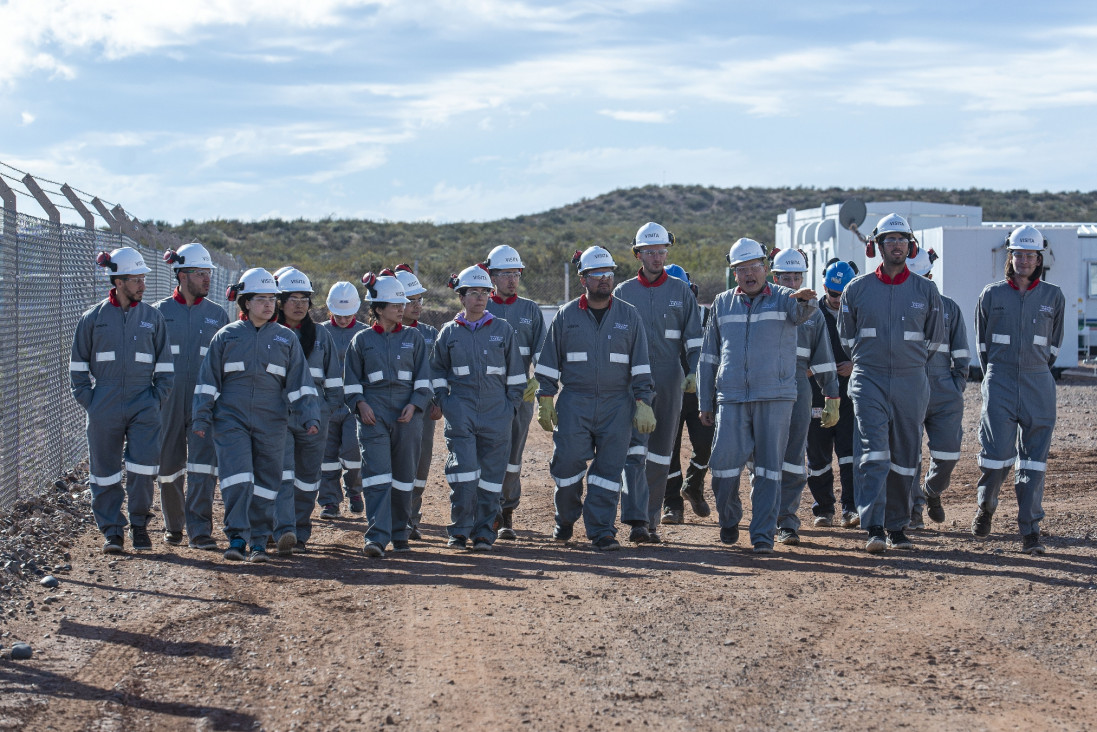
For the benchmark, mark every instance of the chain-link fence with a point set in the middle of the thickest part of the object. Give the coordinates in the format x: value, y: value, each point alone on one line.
x: 48, y: 278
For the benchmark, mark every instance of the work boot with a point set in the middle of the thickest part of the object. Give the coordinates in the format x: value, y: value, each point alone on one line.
x: 980, y: 525
x: 506, y: 527
x: 934, y: 509
x: 671, y: 516
x: 877, y: 542
x: 696, y: 497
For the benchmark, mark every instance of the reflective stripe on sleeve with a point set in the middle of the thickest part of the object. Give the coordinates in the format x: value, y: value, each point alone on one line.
x: 439, y: 384
x: 641, y: 369
x: 303, y: 391
x: 460, y: 370
x: 273, y: 368
x: 694, y: 343
x: 333, y: 383
x: 868, y: 332
x: 960, y: 353
x: 803, y: 352
x: 914, y: 335
x: 618, y: 358
x: 79, y: 366
x: 375, y: 376
x: 1039, y: 340
x: 207, y: 389
x: 352, y: 388
x: 546, y: 371
x: 421, y: 384
x: 164, y: 368
x: 203, y: 350
x: 316, y: 373
x: 516, y: 379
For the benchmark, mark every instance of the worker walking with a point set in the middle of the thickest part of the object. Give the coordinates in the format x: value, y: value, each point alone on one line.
x: 814, y: 361
x: 192, y: 320
x: 303, y: 458
x: 1019, y: 329
x: 826, y: 443
x: 746, y: 387
x: 341, y: 470
x: 690, y: 485
x: 505, y: 267
x: 947, y: 370
x: 890, y: 323
x: 253, y: 373
x: 413, y: 311
x: 387, y: 386
x: 668, y: 310
x: 121, y: 372
x: 595, y: 357
x: 479, y: 379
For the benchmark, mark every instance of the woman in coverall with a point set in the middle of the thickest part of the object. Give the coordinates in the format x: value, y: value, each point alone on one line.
x: 413, y: 291
x: 304, y: 450
x: 253, y: 368
x: 342, y: 452
x: 479, y: 377
x: 387, y: 386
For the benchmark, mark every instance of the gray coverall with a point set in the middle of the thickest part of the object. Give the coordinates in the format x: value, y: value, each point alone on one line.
x: 184, y: 453
x: 246, y: 385
x: 388, y: 371
x: 672, y: 321
x: 303, y: 456
x: 889, y: 328
x: 947, y: 372
x: 529, y: 328
x: 1019, y: 335
x: 479, y: 377
x: 426, y: 446
x: 128, y: 355
x: 603, y: 370
x: 812, y: 352
x: 747, y: 377
x: 341, y: 453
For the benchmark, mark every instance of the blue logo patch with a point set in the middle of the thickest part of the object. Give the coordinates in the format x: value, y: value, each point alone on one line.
x: 282, y: 339
x: 146, y: 324
x: 210, y: 321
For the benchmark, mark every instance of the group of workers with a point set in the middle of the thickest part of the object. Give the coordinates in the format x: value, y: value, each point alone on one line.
x: 773, y: 381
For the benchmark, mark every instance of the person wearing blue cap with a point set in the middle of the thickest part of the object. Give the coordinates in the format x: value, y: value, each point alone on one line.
x: 823, y: 442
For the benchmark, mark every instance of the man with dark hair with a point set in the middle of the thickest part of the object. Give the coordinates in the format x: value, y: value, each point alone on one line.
x: 121, y: 372
x: 191, y: 320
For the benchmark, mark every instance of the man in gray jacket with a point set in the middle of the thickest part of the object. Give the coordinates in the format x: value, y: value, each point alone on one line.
x: 192, y: 320
x: 890, y: 323
x: 672, y: 322
x: 122, y: 343
x: 746, y: 386
x: 597, y: 351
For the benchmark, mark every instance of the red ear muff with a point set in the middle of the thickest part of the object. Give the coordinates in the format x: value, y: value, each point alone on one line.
x: 933, y: 256
x: 870, y: 249
x: 773, y: 255
x: 230, y: 293
x: 451, y: 283
x: 402, y: 267
x: 576, y: 258
x: 171, y: 257
x: 483, y: 266
x: 369, y: 279
x: 913, y: 250
x: 386, y: 272
x: 103, y: 260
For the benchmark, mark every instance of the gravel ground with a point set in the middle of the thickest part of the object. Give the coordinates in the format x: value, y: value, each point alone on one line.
x: 688, y: 635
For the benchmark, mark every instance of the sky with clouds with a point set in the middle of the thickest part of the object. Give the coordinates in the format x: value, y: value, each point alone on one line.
x: 469, y: 110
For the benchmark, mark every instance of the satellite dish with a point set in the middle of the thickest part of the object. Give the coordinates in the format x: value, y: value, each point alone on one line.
x: 852, y: 213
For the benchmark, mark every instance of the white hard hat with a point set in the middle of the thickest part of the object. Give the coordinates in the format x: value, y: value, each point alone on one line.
x: 123, y: 261
x: 1026, y: 237
x: 474, y: 276
x: 411, y: 283
x: 189, y: 255
x: 920, y: 263
x: 256, y: 281
x: 652, y: 234
x: 343, y: 299
x: 593, y: 258
x: 282, y: 270
x: 789, y: 260
x: 293, y: 280
x: 745, y: 250
x: 504, y: 257
x: 892, y: 224
x: 386, y: 289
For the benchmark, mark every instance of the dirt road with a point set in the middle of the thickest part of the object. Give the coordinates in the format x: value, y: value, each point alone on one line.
x: 686, y: 635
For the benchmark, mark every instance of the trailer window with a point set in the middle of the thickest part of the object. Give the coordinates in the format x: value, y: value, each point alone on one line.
x: 1093, y: 279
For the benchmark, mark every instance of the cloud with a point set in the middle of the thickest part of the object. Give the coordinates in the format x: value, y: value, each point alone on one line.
x: 623, y: 115
x: 27, y: 118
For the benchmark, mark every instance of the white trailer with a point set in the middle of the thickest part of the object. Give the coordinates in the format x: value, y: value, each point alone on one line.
x: 972, y: 255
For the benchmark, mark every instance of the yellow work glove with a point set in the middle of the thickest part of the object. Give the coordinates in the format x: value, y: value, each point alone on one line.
x: 644, y: 419
x: 531, y: 390
x: 546, y: 413
x: 830, y: 413
x: 689, y: 386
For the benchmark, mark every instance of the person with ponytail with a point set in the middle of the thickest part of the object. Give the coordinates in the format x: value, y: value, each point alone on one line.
x: 303, y: 455
x: 387, y: 387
